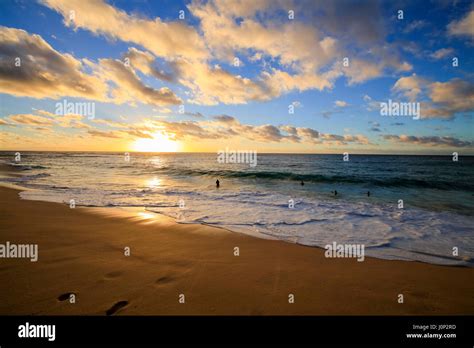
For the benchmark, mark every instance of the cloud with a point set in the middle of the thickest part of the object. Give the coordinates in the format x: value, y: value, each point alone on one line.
x: 335, y: 139
x: 136, y: 133
x: 463, y: 27
x: 415, y: 25
x: 220, y: 127
x: 144, y: 62
x: 46, y: 73
x: 352, y: 21
x: 360, y: 70
x: 244, y: 8
x: 43, y: 72
x: 225, y: 126
x: 291, y: 42
x: 110, y: 123
x: 181, y: 46
x: 165, y: 39
x: 71, y: 121
x: 441, y: 53
x: 308, y: 56
x: 226, y: 119
x: 449, y: 98
x: 46, y: 119
x: 371, y: 104
x: 101, y: 134
x: 130, y: 88
x: 341, y: 103
x: 29, y: 119
x: 189, y: 129
x: 359, y: 139
x: 266, y: 133
x: 278, y: 82
x: 194, y: 114
x: 163, y: 110
x: 213, y: 85
x: 307, y: 133
x: 429, y: 140
x: 297, y: 55
x: 445, y: 99
x: 410, y: 86
x: 210, y: 85
x: 359, y: 32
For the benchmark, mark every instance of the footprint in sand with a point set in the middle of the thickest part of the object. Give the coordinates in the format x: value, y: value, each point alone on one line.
x: 113, y: 275
x: 116, y: 307
x: 65, y: 296
x: 164, y: 280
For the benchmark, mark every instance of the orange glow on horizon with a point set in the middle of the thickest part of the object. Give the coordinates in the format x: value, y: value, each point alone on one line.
x: 161, y: 142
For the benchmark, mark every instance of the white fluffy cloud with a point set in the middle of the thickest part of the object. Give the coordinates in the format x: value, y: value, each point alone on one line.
x: 164, y: 39
x: 294, y: 55
x: 30, y: 67
x: 410, y: 86
x: 463, y: 26
x: 444, y: 99
x: 130, y: 88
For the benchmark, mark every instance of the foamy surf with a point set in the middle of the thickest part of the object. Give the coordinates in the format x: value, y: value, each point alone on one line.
x: 387, y: 232
x: 432, y: 222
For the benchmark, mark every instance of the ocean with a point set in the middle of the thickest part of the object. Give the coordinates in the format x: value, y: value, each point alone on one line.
x: 419, y: 208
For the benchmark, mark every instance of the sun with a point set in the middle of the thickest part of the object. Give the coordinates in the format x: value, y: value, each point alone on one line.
x: 161, y: 142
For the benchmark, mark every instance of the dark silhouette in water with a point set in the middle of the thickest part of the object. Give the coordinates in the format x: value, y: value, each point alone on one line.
x: 302, y: 183
x: 217, y: 183
x: 368, y: 193
x: 335, y: 192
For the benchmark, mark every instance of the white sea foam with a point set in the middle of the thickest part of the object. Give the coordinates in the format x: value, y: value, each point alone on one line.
x: 386, y: 231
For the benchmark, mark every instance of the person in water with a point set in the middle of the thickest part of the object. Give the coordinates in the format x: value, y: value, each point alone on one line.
x: 217, y: 183
x: 302, y: 183
x: 335, y: 192
x: 368, y: 193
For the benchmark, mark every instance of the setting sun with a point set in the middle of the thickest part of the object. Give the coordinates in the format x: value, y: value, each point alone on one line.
x: 161, y: 142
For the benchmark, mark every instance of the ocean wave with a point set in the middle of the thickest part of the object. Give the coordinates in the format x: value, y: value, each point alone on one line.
x: 386, y: 232
x: 26, y: 166
x: 25, y: 178
x: 329, y: 179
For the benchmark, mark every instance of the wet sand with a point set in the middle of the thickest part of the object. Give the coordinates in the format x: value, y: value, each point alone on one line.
x: 82, y: 251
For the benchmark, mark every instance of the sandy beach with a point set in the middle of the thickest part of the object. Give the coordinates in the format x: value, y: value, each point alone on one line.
x: 82, y: 251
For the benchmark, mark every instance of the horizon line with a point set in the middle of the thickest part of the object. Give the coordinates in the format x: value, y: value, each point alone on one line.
x: 265, y: 153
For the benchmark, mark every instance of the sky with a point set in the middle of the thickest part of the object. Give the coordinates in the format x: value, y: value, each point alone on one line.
x: 263, y: 75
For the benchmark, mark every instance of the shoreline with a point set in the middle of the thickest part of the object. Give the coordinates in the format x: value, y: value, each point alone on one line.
x: 81, y: 251
x: 132, y: 211
x: 402, y: 254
